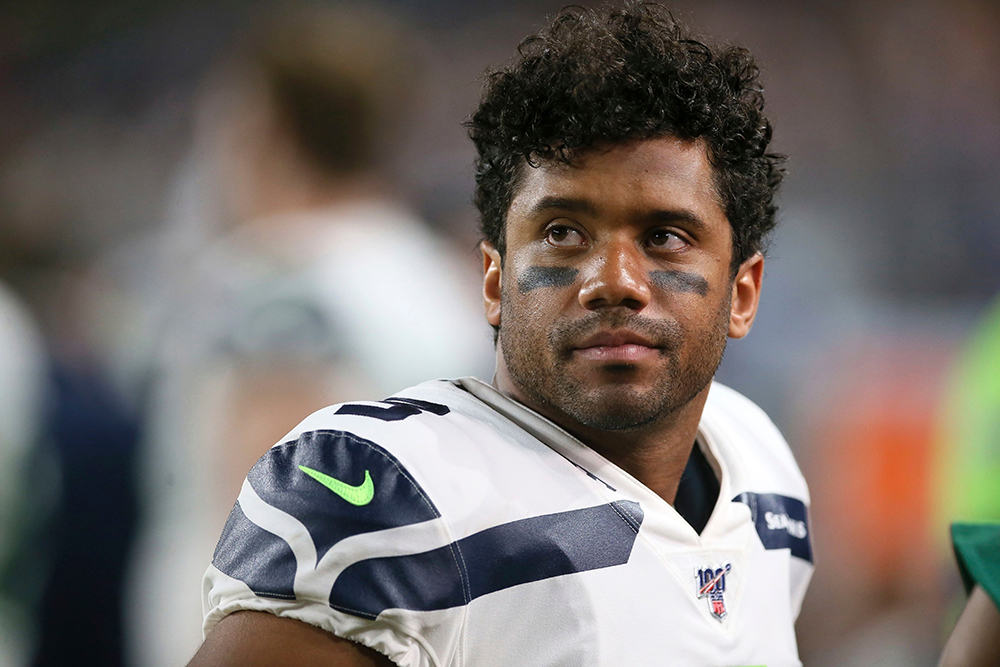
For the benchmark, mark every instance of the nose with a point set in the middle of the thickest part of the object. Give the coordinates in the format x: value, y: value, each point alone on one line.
x: 615, y: 277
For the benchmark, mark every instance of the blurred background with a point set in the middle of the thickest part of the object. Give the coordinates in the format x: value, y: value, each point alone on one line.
x: 190, y: 254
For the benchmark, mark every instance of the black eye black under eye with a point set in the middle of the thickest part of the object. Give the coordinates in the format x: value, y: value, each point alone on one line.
x: 546, y: 276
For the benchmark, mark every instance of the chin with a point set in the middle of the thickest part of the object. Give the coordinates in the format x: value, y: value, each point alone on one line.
x: 619, y: 420
x: 615, y: 408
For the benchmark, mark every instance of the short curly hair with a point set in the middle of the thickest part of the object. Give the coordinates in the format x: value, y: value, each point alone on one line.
x: 610, y: 76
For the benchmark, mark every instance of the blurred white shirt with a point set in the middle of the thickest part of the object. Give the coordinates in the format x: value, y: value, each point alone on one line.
x: 364, y: 296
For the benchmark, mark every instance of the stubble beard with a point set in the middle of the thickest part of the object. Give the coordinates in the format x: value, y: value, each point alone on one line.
x: 541, y: 367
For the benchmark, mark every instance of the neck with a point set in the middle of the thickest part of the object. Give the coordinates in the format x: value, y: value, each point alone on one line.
x: 279, y: 196
x: 654, y: 453
x: 274, y: 177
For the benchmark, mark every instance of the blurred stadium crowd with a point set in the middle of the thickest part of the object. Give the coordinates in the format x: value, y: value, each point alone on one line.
x: 217, y: 217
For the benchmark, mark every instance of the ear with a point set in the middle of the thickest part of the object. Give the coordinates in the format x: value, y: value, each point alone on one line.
x: 492, y: 282
x: 746, y: 296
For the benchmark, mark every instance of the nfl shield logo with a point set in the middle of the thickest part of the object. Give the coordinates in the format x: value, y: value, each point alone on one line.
x: 712, y: 584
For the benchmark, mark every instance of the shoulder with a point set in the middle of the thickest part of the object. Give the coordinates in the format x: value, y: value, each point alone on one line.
x: 763, y: 475
x: 758, y: 453
x: 371, y: 478
x: 739, y: 412
x: 366, y: 520
x: 465, y: 457
x: 336, y: 526
x: 422, y: 428
x: 367, y: 466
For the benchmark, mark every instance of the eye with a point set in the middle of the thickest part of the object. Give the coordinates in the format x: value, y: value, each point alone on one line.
x: 563, y: 236
x: 664, y: 239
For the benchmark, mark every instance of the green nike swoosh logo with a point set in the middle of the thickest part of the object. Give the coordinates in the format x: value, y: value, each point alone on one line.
x: 359, y: 495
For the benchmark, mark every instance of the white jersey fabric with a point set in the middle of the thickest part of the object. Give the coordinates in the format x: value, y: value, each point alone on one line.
x: 450, y: 525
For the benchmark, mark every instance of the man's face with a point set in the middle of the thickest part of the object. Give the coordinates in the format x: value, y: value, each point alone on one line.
x: 615, y: 296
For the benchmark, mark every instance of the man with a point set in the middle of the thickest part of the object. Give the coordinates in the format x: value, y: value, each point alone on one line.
x: 602, y: 502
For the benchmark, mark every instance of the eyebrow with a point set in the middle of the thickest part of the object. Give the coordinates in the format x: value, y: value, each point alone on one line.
x: 678, y: 216
x: 568, y: 204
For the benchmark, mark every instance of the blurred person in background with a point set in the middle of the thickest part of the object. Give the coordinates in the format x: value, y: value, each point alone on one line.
x: 77, y: 506
x: 23, y: 379
x: 308, y: 262
x: 969, y: 439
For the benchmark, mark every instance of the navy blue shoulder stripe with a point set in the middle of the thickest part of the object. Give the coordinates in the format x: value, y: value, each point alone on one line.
x: 782, y: 522
x: 396, y: 500
x: 258, y: 558
x: 507, y: 555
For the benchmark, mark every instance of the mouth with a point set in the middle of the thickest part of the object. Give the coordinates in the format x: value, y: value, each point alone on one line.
x: 616, y: 346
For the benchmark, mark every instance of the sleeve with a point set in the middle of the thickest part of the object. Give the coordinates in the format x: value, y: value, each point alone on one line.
x: 332, y: 530
x: 977, y: 549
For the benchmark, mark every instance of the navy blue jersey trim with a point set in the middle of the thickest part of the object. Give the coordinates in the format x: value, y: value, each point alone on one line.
x: 698, y: 490
x: 397, y: 498
x: 491, y: 560
x: 588, y: 473
x: 260, y: 559
x: 782, y: 522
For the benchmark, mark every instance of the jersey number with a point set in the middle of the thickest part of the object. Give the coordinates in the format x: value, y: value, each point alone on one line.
x: 393, y: 409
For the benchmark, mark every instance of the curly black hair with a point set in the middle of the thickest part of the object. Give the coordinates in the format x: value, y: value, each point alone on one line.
x: 612, y: 75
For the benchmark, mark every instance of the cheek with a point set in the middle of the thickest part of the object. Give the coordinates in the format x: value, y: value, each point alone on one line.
x: 538, y: 297
x: 540, y: 291
x: 700, y: 307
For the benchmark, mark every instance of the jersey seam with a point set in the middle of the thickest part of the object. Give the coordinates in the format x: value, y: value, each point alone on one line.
x: 267, y: 594
x: 456, y: 554
x: 353, y: 612
x: 621, y: 512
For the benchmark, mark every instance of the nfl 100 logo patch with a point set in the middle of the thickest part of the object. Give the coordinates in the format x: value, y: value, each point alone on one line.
x: 712, y: 584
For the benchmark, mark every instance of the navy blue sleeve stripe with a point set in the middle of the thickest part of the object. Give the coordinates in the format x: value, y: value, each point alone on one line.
x: 497, y: 558
x: 258, y: 558
x: 782, y: 522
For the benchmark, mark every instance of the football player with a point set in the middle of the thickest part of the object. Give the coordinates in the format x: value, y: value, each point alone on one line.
x: 602, y: 501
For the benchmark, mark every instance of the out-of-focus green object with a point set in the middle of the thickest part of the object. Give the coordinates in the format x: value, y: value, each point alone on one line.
x: 970, y: 462
x: 977, y: 549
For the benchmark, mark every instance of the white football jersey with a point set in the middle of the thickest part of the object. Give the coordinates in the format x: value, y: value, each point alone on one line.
x: 450, y: 525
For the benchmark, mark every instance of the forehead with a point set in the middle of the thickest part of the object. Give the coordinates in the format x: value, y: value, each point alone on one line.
x: 630, y: 179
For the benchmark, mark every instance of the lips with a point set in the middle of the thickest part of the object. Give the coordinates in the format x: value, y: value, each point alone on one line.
x: 615, y: 339
x: 616, y: 346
